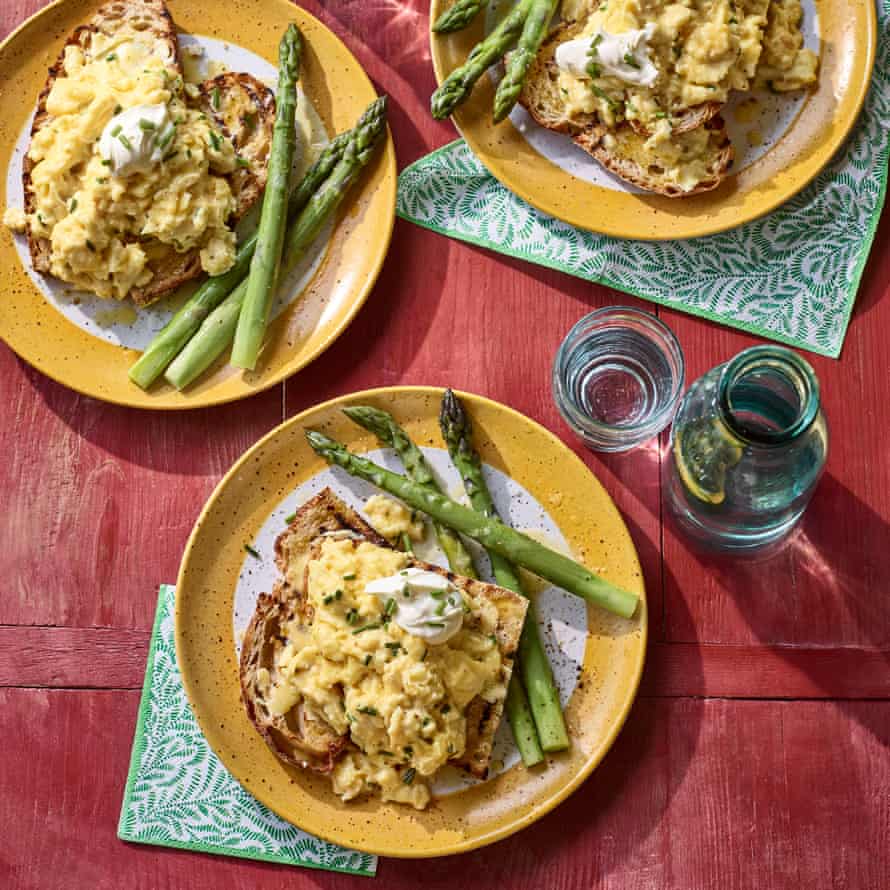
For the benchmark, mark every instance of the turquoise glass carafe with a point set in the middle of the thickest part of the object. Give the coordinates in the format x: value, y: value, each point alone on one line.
x: 747, y: 448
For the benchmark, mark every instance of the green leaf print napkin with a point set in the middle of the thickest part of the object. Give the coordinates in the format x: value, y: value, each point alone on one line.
x: 178, y: 792
x: 791, y: 276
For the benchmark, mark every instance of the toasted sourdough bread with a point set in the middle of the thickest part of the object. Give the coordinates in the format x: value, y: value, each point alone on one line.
x: 542, y: 99
x: 618, y: 157
x: 246, y: 114
x: 296, y: 738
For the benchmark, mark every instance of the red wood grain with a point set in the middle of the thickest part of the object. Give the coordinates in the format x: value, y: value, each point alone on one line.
x: 698, y: 794
x: 751, y: 758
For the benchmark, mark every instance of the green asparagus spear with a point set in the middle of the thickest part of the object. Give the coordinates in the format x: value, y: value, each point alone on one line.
x: 270, y: 234
x: 537, y: 676
x: 491, y: 533
x: 388, y: 431
x: 215, y: 334
x: 176, y: 333
x: 457, y: 16
x: 385, y: 428
x: 535, y: 29
x: 457, y: 86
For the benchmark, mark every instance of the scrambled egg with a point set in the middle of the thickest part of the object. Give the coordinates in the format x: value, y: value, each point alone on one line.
x: 703, y: 49
x: 393, y: 519
x: 93, y: 219
x: 400, y: 700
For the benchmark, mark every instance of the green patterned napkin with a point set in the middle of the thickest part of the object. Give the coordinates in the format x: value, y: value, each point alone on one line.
x: 791, y: 276
x: 178, y: 792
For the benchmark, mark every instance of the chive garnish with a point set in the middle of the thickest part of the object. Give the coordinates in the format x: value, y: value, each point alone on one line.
x: 360, y: 630
x: 72, y: 206
x: 408, y: 750
x: 367, y: 709
x: 146, y: 124
x: 125, y: 142
x: 349, y: 576
x: 91, y: 246
x: 386, y: 753
x: 409, y: 775
x: 242, y: 162
x: 170, y: 155
x: 254, y: 553
x: 116, y: 130
x: 214, y: 97
x: 425, y: 653
x: 118, y: 109
x: 164, y: 141
x: 328, y: 599
x: 291, y: 516
x: 440, y: 609
x: 434, y: 623
x: 368, y: 659
x: 351, y: 616
x: 630, y: 60
x: 445, y: 708
x: 106, y: 163
x: 110, y: 57
x: 393, y: 647
x: 390, y: 607
x: 214, y: 140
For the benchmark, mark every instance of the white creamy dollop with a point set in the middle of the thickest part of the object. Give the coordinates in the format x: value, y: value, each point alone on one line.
x: 625, y: 55
x: 426, y: 605
x: 136, y: 139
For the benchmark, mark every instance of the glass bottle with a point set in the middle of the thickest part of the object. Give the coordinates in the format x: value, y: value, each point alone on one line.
x: 747, y: 447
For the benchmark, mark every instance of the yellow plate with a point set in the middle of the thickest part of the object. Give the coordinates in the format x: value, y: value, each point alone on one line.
x: 339, y: 90
x: 611, y: 655
x: 848, y: 32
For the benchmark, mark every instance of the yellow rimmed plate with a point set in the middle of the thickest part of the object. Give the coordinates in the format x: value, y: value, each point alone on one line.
x: 602, y: 654
x: 338, y: 283
x: 798, y: 145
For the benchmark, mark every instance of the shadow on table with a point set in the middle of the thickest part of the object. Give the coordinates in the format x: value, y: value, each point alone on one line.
x: 842, y: 547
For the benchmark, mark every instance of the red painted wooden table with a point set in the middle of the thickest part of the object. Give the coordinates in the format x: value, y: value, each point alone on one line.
x: 758, y: 751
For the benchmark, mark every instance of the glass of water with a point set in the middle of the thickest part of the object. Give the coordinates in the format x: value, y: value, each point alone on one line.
x: 617, y: 378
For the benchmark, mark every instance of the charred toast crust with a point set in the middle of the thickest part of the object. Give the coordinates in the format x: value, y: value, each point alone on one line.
x: 171, y: 269
x: 326, y: 513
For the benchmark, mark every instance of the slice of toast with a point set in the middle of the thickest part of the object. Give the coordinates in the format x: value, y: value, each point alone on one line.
x: 170, y: 268
x: 306, y: 744
x: 623, y: 152
x: 542, y: 99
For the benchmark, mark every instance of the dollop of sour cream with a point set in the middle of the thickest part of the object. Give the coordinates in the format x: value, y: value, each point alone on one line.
x: 426, y: 604
x: 136, y: 139
x: 625, y: 55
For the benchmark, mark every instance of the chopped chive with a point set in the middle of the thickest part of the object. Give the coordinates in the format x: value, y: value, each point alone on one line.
x: 214, y: 97
x: 409, y: 775
x: 408, y: 750
x: 106, y: 163
x: 110, y: 57
x: 426, y: 721
x: 188, y: 153
x: 291, y: 516
x: 390, y: 607
x: 445, y: 708
x: 425, y: 653
x: 118, y: 109
x: 437, y: 594
x: 116, y: 130
x: 242, y: 162
x: 367, y: 709
x: 330, y: 598
x: 72, y: 206
x: 170, y: 155
x: 146, y: 124
x: 368, y: 659
x: 361, y: 630
x: 91, y: 246
x: 394, y: 647
x: 440, y: 609
x: 215, y: 141
x: 125, y: 142
x: 434, y: 623
x: 386, y: 753
x: 349, y: 576
x: 254, y: 553
x: 102, y: 180
x: 164, y: 141
x: 629, y: 59
x: 351, y: 616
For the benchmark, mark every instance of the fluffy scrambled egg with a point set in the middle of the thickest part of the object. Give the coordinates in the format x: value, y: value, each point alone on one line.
x: 101, y: 227
x: 400, y: 700
x: 703, y: 49
x: 393, y: 519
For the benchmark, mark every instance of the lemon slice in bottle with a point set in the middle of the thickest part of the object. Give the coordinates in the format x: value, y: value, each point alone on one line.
x: 704, y: 450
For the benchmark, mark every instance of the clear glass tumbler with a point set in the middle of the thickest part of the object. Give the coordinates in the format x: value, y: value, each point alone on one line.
x: 617, y: 378
x: 748, y: 446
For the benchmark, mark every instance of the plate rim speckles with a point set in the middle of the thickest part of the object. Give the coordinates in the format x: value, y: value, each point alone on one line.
x: 252, y: 489
x: 45, y: 339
